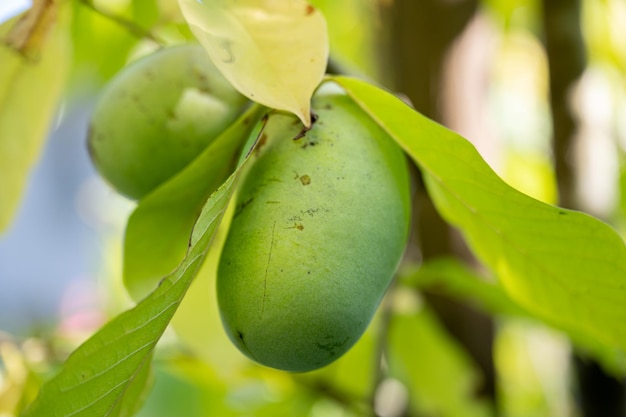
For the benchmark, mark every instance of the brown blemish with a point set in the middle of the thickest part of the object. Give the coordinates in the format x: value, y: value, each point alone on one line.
x: 313, y: 211
x: 309, y: 10
x: 298, y: 226
x: 305, y: 180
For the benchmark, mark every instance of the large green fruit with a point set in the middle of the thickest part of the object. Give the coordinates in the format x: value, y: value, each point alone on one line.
x: 157, y: 115
x: 320, y: 226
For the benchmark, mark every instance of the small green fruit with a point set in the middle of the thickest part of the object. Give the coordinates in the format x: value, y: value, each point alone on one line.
x: 320, y: 225
x: 157, y: 115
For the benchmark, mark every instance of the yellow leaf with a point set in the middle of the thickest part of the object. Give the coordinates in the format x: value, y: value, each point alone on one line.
x: 29, y: 95
x: 272, y: 51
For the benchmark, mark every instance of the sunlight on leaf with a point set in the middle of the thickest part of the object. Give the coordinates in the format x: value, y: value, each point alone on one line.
x: 563, y: 266
x: 273, y: 52
x: 157, y: 234
x: 29, y: 95
x: 103, y: 371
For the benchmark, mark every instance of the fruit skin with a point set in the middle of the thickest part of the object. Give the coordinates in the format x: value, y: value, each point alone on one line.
x: 320, y: 225
x: 157, y: 115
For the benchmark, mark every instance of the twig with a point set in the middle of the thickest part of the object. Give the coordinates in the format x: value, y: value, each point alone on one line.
x: 129, y: 25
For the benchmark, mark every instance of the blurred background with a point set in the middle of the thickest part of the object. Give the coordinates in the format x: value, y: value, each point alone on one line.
x: 537, y: 86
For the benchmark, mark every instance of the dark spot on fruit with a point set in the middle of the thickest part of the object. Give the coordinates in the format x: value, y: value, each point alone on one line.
x: 309, y: 10
x: 330, y: 347
x: 562, y: 213
x: 242, y: 206
x: 305, y: 180
x: 241, y: 337
x: 313, y: 211
x: 296, y: 225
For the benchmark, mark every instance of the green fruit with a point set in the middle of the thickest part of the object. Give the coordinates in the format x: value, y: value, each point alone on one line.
x: 157, y: 115
x: 319, y: 228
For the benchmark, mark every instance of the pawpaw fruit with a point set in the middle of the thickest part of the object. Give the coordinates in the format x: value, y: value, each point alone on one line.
x: 320, y: 225
x: 156, y: 115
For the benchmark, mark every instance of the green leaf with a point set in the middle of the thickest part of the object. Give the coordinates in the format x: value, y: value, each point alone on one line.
x: 101, y: 47
x: 29, y: 95
x: 146, y: 13
x: 440, y: 377
x: 103, y: 370
x: 563, y: 266
x: 137, y: 392
x: 157, y: 234
x: 451, y: 277
x: 273, y: 52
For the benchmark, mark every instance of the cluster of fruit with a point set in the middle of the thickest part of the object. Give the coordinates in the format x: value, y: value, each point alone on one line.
x: 322, y: 215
